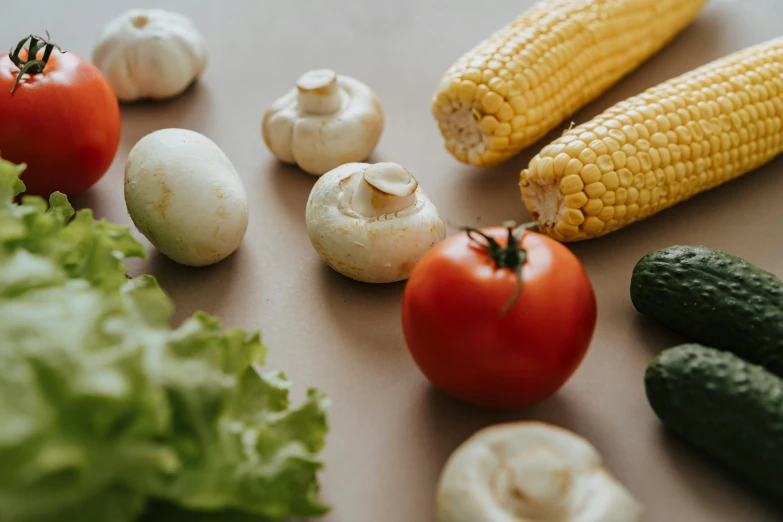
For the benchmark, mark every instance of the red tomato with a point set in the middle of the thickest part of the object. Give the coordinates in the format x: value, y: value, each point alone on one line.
x: 456, y: 329
x: 64, y: 123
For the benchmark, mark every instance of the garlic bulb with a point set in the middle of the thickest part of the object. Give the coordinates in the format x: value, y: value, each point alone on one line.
x: 372, y: 223
x: 150, y: 54
x: 326, y: 121
x: 530, y: 472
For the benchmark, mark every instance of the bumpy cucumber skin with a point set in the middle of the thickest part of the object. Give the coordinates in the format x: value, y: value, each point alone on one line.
x: 714, y: 298
x: 731, y: 409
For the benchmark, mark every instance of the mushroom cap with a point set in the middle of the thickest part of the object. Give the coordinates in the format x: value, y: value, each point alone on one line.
x: 150, y: 54
x: 381, y: 249
x: 319, y: 143
x: 530, y: 472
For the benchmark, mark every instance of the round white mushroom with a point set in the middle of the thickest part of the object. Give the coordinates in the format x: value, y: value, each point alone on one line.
x: 372, y: 223
x: 531, y: 472
x: 185, y: 197
x: 326, y: 121
x: 150, y: 54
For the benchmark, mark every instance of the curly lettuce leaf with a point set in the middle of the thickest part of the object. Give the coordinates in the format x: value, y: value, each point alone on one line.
x: 241, y: 444
x: 81, y: 413
x: 105, y: 408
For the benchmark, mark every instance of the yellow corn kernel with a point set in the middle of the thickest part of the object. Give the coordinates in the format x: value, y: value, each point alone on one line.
x: 573, y: 216
x: 497, y: 143
x: 504, y: 129
x: 581, y: 49
x: 574, y: 166
x: 489, y: 124
x: 595, y: 190
x: 566, y: 230
x: 467, y: 91
x: 587, y: 156
x: 560, y: 163
x: 593, y: 225
x: 593, y: 207
x: 571, y: 184
x: 619, y: 159
x: 491, y: 102
x: 590, y: 174
x: 505, y: 113
x: 575, y: 147
x: 606, y: 214
x: 605, y: 163
x: 577, y: 200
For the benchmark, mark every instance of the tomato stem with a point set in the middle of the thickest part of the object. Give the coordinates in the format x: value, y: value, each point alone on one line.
x: 32, y: 65
x: 512, y: 256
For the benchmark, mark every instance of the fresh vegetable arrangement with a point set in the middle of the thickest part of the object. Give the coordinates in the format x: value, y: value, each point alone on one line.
x: 499, y: 317
x: 652, y: 151
x: 105, y: 407
x: 41, y: 89
x: 108, y: 414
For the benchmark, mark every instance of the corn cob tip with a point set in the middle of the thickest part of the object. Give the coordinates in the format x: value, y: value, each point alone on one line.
x: 666, y: 145
x: 526, y: 78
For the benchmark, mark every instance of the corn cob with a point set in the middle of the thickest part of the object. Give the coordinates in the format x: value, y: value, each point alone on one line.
x: 647, y: 153
x: 513, y: 88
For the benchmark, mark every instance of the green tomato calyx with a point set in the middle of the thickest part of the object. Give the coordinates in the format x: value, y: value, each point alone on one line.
x: 511, y: 257
x: 33, y: 64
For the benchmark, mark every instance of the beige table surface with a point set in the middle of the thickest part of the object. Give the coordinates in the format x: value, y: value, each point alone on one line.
x: 390, y: 433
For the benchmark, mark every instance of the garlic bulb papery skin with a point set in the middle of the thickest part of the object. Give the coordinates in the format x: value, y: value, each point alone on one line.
x: 372, y: 223
x: 150, y: 54
x: 531, y: 472
x: 326, y: 121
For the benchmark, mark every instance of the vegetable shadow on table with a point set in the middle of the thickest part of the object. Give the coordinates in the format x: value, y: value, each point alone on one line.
x: 446, y: 423
x: 708, y: 479
x: 291, y: 187
x: 187, y: 284
x: 192, y: 110
x: 364, y: 307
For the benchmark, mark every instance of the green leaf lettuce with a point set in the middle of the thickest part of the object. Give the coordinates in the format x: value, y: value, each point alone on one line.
x: 107, y: 413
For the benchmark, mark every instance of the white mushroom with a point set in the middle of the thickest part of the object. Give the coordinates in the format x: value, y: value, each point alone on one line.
x: 150, y: 54
x: 372, y: 223
x: 326, y: 121
x: 531, y: 472
x: 185, y: 197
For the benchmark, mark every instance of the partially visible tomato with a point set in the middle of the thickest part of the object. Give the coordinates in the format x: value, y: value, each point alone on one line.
x: 63, y: 122
x: 474, y: 340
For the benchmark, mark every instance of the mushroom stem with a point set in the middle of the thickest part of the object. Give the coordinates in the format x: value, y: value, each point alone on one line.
x: 318, y: 92
x: 385, y: 188
x: 536, y: 483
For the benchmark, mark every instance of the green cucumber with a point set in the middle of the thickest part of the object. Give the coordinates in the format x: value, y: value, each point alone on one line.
x: 729, y: 408
x: 715, y: 299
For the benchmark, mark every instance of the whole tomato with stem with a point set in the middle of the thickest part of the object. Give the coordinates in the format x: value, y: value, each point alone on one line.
x: 58, y: 115
x: 499, y: 317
